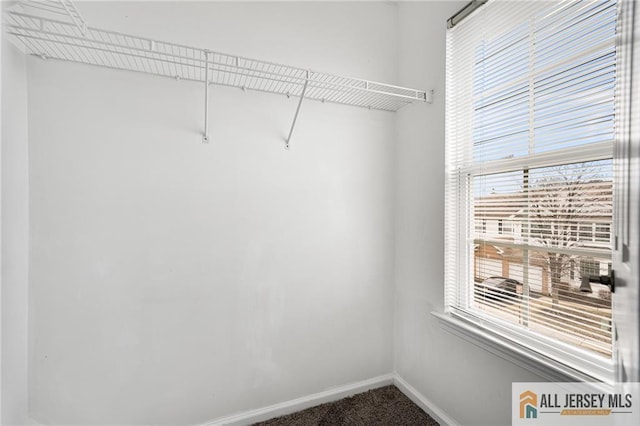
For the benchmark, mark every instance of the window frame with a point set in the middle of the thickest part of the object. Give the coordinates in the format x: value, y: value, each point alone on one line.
x: 533, y: 351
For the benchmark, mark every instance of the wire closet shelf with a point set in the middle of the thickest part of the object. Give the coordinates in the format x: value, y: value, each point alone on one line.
x: 54, y: 29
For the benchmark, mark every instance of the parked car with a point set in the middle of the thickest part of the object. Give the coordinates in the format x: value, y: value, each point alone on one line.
x: 499, y: 288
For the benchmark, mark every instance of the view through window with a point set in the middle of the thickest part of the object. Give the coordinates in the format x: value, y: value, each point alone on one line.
x: 530, y: 171
x: 558, y: 231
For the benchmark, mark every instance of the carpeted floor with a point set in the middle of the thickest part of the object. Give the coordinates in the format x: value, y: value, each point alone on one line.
x: 383, y: 406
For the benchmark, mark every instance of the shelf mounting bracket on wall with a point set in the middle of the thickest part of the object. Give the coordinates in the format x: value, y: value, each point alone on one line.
x: 205, y: 136
x: 295, y: 117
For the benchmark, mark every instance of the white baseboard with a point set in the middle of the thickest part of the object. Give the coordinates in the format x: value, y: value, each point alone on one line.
x: 423, y: 402
x: 284, y: 408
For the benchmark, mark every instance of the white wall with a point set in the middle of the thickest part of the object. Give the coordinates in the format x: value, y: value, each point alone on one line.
x: 174, y: 282
x: 472, y: 385
x: 14, y: 224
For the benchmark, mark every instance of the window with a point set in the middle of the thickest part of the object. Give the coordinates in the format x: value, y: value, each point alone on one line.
x: 530, y: 130
x: 603, y: 233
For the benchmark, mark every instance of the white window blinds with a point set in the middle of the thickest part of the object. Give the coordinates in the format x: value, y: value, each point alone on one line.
x: 530, y: 128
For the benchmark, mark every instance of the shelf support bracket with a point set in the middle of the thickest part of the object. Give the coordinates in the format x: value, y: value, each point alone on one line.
x: 428, y: 96
x: 295, y: 117
x: 205, y: 137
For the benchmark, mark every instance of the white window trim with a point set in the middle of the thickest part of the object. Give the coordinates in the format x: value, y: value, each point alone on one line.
x: 547, y: 367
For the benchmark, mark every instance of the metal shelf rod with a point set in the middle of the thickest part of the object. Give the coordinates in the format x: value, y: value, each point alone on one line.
x: 205, y: 137
x: 357, y: 84
x: 295, y: 117
x: 248, y: 73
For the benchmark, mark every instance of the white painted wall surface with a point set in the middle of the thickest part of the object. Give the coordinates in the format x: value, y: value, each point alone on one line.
x: 15, y: 232
x: 472, y: 385
x: 174, y: 282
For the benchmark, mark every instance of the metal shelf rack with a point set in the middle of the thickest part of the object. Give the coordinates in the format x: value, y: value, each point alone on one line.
x: 54, y: 29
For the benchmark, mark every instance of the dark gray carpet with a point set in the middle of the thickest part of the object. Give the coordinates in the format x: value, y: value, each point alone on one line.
x: 383, y: 406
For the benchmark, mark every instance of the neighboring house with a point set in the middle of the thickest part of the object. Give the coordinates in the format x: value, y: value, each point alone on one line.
x: 566, y: 215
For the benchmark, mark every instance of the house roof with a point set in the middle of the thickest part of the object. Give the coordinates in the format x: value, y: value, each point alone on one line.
x: 580, y: 203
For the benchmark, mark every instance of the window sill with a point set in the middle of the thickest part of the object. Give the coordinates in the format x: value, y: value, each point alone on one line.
x: 541, y: 365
